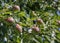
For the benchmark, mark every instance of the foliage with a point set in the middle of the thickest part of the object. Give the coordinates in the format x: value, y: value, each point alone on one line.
x: 38, y: 19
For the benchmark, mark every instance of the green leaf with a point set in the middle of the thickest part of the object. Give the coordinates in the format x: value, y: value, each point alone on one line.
x: 21, y: 14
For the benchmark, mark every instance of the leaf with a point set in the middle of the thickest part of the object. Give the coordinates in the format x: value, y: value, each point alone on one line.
x: 21, y: 14
x: 58, y: 36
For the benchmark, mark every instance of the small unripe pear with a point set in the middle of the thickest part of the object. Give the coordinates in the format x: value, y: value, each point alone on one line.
x: 18, y: 27
x: 39, y: 20
x: 10, y: 19
x: 58, y: 21
x: 36, y: 28
x: 16, y: 7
